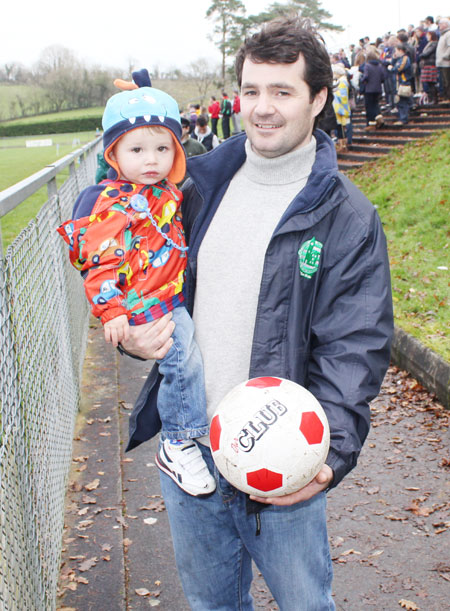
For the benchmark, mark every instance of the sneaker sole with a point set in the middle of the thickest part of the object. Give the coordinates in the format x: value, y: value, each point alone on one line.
x: 167, y: 470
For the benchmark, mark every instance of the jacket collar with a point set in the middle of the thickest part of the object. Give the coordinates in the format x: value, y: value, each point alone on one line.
x: 210, y: 171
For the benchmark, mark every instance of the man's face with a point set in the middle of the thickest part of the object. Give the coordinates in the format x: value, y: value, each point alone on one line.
x: 276, y: 108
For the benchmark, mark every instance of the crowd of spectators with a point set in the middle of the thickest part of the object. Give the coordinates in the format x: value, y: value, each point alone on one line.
x: 393, y: 74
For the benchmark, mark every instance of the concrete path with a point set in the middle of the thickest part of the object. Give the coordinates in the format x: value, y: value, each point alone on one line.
x: 389, y: 520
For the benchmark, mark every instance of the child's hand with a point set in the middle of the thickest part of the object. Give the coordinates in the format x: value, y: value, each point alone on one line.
x: 117, y: 330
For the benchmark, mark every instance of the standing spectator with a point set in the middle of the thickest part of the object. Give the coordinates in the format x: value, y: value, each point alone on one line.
x: 236, y: 116
x: 225, y: 111
x: 419, y: 45
x: 443, y: 56
x: 430, y: 25
x: 193, y: 116
x: 387, y: 59
x: 341, y: 105
x: 204, y: 134
x: 343, y: 58
x: 429, y: 71
x: 373, y: 78
x: 402, y: 68
x: 214, y: 112
x: 191, y: 145
x: 353, y: 52
x: 356, y: 72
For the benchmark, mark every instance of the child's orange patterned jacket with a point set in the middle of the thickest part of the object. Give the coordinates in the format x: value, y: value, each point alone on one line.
x: 129, y: 245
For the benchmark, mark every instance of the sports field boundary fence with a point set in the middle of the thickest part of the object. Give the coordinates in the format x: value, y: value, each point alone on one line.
x: 44, y: 320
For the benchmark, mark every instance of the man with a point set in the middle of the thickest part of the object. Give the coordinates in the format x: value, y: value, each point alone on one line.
x: 204, y: 134
x: 226, y: 110
x: 259, y: 201
x: 214, y: 112
x: 236, y: 116
x: 443, y: 56
x: 430, y: 26
x: 191, y: 145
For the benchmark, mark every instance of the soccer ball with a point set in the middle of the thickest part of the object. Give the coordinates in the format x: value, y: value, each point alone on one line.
x: 269, y: 437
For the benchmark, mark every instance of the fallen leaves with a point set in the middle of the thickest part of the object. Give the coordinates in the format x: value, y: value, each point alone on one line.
x: 157, y: 506
x: 92, y: 485
x: 86, y: 565
x: 408, y: 604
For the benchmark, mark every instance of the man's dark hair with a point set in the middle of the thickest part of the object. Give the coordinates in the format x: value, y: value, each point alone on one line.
x: 281, y: 41
x: 430, y: 19
x: 403, y: 37
x: 202, y: 121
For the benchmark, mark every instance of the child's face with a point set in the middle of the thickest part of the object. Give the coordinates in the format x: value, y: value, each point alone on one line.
x: 144, y: 156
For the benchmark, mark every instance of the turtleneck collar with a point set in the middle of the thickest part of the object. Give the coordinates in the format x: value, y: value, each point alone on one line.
x: 288, y: 168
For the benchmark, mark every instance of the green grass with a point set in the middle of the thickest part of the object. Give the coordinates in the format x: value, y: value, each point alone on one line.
x: 18, y: 162
x: 60, y: 116
x: 410, y: 188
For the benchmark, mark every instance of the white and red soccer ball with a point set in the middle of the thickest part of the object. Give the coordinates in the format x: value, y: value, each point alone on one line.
x: 269, y: 437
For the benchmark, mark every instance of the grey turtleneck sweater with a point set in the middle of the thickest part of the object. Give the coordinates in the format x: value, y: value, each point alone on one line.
x: 231, y: 260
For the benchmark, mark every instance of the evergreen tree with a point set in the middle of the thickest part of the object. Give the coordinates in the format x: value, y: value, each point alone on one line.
x: 307, y: 9
x: 226, y: 15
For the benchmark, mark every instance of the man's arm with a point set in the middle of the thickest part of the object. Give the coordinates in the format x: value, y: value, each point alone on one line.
x: 352, y: 329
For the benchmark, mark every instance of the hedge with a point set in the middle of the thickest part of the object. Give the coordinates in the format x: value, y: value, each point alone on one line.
x: 52, y: 127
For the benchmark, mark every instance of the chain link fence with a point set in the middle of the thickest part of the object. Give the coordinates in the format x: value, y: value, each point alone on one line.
x: 43, y: 332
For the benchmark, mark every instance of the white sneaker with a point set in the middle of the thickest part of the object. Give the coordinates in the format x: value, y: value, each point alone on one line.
x: 184, y: 463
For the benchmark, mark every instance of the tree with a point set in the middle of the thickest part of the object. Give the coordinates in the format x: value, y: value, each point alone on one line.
x: 204, y: 74
x: 308, y: 9
x: 226, y: 14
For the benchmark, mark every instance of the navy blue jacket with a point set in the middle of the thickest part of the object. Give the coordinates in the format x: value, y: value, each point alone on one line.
x: 373, y: 76
x: 331, y: 331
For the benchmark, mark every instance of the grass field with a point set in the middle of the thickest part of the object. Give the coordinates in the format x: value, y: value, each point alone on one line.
x: 18, y: 162
x: 59, y: 116
x: 411, y: 189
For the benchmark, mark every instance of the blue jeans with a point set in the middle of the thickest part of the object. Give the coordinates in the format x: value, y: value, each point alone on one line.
x: 403, y: 109
x: 215, y: 540
x: 181, y: 396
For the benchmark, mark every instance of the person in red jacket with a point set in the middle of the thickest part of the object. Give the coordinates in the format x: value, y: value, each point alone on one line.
x: 214, y: 111
x: 236, y: 116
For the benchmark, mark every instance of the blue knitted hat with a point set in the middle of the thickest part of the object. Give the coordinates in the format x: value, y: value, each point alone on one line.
x: 142, y: 106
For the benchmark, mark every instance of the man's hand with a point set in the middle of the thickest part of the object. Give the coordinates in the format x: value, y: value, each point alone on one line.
x: 319, y: 483
x: 117, y: 330
x: 152, y: 340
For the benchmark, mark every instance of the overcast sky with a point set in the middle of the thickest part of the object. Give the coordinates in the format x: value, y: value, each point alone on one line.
x: 169, y: 33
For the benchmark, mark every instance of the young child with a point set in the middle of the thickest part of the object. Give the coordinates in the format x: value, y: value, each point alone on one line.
x: 127, y: 240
